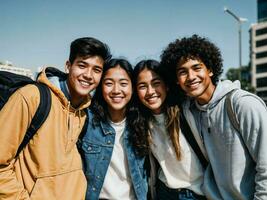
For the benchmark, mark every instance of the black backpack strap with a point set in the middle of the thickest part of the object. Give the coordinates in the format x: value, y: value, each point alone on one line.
x: 84, y: 130
x: 186, y: 130
x: 39, y: 116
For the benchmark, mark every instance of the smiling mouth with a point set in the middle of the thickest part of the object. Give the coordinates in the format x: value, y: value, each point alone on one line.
x: 152, y: 99
x: 193, y: 85
x: 85, y: 83
x: 117, y: 99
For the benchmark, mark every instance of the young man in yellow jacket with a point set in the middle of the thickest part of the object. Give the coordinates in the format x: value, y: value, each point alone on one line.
x: 50, y: 167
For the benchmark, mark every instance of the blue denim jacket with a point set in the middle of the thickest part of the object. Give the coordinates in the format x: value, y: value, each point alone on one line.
x: 96, y: 150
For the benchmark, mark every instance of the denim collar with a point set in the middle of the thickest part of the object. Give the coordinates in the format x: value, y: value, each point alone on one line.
x: 64, y: 88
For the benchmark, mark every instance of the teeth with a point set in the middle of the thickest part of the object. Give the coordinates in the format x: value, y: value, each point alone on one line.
x: 193, y: 84
x: 117, y: 99
x: 84, y: 83
x: 152, y: 99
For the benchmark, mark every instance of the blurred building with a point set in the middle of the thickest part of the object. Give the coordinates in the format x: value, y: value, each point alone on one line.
x: 7, y: 66
x: 258, y: 51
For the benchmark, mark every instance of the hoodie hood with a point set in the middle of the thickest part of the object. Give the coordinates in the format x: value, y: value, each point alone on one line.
x: 196, y: 118
x: 222, y: 89
x: 52, y: 77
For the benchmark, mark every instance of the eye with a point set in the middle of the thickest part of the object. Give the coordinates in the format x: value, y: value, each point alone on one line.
x: 98, y: 70
x: 157, y: 83
x: 181, y: 72
x: 124, y: 84
x: 108, y: 83
x: 81, y: 66
x: 141, y: 87
x: 197, y: 67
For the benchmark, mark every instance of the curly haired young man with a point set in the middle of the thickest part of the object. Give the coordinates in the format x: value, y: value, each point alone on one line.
x: 237, y: 158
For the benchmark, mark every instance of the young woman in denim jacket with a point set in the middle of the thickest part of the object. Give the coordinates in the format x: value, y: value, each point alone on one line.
x: 113, y: 168
x: 179, y: 174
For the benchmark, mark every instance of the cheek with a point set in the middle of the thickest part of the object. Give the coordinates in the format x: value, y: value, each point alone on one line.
x: 163, y: 97
x: 129, y: 93
x: 72, y: 78
x: 97, y: 78
x: 180, y: 81
x: 141, y: 94
x: 105, y: 92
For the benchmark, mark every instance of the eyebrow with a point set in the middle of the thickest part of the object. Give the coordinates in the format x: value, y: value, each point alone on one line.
x: 85, y: 63
x: 122, y: 79
x: 81, y: 61
x: 154, y: 79
x: 182, y: 67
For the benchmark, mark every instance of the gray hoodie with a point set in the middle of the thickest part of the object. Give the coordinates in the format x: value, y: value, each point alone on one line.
x: 238, y: 161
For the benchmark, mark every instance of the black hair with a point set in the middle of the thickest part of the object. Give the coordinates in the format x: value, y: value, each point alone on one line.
x: 100, y: 110
x: 88, y: 46
x: 192, y: 47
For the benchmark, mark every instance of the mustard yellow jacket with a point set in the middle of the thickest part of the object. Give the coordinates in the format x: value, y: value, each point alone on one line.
x: 49, y: 167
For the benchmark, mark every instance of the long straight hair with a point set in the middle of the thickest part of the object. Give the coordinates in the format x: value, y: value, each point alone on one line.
x: 171, y: 110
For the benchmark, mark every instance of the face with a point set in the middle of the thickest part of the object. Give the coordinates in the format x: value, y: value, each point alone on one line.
x: 116, y: 89
x: 84, y: 76
x: 151, y: 90
x: 195, y: 79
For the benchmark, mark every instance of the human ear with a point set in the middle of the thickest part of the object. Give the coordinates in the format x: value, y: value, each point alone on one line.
x: 210, y: 73
x: 67, y: 66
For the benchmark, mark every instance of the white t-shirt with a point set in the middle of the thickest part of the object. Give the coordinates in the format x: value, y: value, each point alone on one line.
x: 186, y: 173
x: 117, y: 183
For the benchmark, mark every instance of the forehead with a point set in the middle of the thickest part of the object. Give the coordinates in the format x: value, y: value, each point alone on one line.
x: 116, y: 73
x: 189, y: 62
x: 147, y: 75
x: 90, y: 60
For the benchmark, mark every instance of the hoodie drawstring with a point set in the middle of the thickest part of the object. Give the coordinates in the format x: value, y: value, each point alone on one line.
x: 79, y: 115
x: 68, y: 115
x: 208, y: 115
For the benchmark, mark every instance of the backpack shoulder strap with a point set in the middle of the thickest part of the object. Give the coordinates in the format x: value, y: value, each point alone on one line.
x: 39, y: 116
x: 186, y: 130
x: 230, y: 111
x: 84, y: 130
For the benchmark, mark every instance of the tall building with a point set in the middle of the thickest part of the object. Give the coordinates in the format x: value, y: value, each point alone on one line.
x: 7, y: 66
x: 258, y: 51
x: 262, y: 10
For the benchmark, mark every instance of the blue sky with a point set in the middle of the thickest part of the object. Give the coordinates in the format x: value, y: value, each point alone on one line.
x: 36, y: 33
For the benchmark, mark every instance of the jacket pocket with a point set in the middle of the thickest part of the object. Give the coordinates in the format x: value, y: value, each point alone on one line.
x: 67, y: 186
x: 90, y: 148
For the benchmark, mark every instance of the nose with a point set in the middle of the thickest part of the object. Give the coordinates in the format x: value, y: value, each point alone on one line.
x: 191, y: 75
x: 150, y: 89
x: 116, y: 88
x: 88, y: 74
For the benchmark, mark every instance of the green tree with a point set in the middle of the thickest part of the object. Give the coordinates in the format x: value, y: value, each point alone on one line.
x: 233, y: 74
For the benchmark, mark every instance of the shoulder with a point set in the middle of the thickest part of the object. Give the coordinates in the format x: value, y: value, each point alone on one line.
x: 29, y: 91
x: 28, y: 94
x: 249, y: 106
x: 246, y: 100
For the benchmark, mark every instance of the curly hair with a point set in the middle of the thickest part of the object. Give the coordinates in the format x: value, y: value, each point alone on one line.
x: 192, y: 47
x: 99, y: 107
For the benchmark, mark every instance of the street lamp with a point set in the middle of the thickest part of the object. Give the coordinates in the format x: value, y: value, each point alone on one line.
x: 240, y: 20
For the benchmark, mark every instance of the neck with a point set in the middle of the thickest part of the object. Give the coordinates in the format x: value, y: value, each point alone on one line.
x: 75, y: 99
x: 116, y: 116
x: 206, y: 96
x: 76, y: 102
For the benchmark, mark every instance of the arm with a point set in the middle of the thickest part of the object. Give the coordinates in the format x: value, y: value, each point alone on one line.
x: 14, y: 121
x: 252, y: 114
